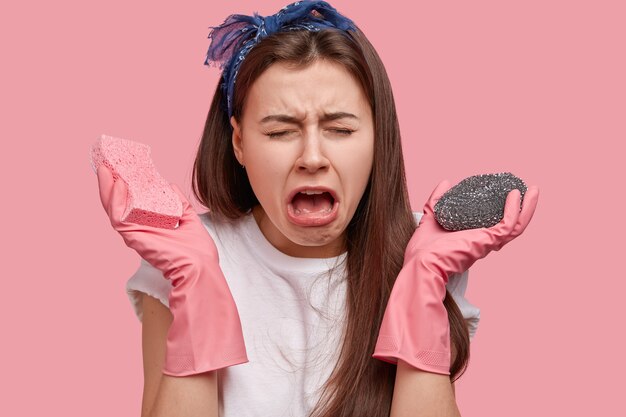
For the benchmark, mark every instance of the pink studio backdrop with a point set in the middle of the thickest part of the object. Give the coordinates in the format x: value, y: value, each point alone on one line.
x: 536, y: 88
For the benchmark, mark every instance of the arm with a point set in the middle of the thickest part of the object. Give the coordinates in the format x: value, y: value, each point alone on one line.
x: 165, y: 395
x: 418, y: 393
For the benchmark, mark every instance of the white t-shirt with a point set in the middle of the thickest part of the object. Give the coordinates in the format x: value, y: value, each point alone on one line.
x: 292, y: 348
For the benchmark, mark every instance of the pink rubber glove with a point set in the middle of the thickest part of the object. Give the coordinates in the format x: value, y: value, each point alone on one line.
x: 206, y: 332
x: 415, y: 327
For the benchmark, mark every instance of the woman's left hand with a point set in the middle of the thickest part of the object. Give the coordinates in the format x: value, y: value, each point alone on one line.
x: 456, y: 251
x: 415, y: 326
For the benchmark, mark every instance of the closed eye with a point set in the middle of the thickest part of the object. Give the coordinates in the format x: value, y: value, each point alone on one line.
x: 343, y: 132
x: 274, y: 135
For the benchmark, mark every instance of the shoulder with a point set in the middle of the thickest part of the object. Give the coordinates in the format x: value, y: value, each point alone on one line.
x: 209, y: 220
x: 216, y: 223
x: 226, y: 233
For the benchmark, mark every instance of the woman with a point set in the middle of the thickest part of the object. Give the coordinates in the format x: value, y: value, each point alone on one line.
x: 312, y: 274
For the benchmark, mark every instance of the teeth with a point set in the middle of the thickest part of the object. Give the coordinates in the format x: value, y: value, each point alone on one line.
x: 312, y: 192
x: 305, y: 211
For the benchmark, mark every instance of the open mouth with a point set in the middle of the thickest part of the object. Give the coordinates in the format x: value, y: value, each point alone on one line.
x: 312, y: 204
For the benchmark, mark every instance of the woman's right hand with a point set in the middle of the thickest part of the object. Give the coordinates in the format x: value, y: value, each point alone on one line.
x: 188, y: 245
x: 206, y: 332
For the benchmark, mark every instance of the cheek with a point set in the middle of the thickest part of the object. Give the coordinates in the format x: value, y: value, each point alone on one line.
x: 273, y: 164
x: 354, y: 166
x: 357, y: 160
x: 267, y: 170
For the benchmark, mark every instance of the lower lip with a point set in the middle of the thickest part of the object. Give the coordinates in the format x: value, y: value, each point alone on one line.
x: 320, y: 220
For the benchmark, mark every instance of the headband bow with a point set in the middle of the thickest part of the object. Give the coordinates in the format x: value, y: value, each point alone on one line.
x: 233, y: 39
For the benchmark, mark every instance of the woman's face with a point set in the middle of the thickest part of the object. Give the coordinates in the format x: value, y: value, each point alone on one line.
x: 309, y: 128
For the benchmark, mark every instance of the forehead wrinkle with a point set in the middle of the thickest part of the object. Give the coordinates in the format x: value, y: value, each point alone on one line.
x: 326, y: 116
x: 292, y: 102
x: 329, y: 109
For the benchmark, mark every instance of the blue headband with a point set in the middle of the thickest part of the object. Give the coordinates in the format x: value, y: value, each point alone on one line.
x: 240, y: 33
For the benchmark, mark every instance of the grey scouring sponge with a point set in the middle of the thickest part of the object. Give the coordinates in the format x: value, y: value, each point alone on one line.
x: 477, y: 201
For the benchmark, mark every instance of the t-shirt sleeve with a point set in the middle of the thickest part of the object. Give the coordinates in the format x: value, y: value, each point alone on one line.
x: 457, y: 284
x: 149, y: 280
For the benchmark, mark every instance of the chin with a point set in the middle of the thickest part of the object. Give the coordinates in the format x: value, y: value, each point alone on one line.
x: 313, y: 236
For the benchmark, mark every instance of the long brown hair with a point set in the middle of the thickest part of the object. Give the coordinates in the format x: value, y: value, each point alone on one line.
x: 377, y: 234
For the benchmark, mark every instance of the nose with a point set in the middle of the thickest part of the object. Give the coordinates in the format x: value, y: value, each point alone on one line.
x: 312, y: 157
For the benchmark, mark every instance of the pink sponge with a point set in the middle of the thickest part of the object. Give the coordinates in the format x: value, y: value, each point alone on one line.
x: 151, y: 199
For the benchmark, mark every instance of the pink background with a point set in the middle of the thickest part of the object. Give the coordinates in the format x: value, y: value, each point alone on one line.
x: 536, y: 88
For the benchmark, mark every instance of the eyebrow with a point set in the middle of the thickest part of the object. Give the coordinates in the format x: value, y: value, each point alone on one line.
x: 291, y: 119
